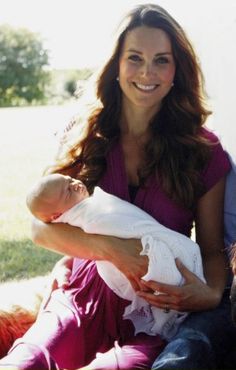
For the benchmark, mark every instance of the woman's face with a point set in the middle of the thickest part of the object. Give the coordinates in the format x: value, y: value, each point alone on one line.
x: 146, y: 68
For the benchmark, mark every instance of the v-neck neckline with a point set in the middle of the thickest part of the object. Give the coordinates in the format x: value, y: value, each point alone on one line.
x: 149, y: 197
x: 117, y: 180
x: 125, y: 184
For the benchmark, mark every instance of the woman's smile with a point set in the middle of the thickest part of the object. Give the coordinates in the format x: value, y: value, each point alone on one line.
x: 145, y: 88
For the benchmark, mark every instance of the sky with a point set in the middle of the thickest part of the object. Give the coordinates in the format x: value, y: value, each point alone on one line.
x: 78, y: 34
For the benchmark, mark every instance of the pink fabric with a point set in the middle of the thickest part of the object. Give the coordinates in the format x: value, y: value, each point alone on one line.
x: 152, y: 198
x: 78, y: 323
x: 87, y: 318
x: 219, y: 164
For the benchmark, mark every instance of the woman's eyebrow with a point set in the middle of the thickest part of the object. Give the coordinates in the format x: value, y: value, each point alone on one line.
x: 140, y: 52
x: 134, y: 51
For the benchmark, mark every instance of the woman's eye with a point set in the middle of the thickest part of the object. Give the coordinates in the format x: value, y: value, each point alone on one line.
x: 162, y: 60
x: 134, y: 58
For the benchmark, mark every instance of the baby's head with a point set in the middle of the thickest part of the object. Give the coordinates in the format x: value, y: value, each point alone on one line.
x: 53, y: 195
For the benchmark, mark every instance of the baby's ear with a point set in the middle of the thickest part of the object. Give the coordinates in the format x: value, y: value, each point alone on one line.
x: 55, y: 216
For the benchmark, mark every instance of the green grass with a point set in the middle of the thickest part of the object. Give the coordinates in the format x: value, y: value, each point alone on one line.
x: 22, y: 259
x: 27, y: 146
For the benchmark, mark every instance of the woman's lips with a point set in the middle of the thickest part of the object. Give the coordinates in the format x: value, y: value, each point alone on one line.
x: 145, y: 88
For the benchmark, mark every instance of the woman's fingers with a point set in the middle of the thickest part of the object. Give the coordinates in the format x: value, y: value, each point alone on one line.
x: 135, y: 284
x: 161, y: 288
x: 191, y: 296
x: 161, y: 301
x: 185, y: 272
x: 160, y: 295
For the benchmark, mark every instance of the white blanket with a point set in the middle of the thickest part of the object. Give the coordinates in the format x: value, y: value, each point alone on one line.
x: 105, y: 214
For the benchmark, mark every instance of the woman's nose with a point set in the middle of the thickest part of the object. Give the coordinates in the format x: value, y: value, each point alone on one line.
x: 147, y: 70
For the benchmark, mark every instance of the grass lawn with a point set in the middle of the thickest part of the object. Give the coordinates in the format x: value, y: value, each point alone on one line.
x: 28, y: 144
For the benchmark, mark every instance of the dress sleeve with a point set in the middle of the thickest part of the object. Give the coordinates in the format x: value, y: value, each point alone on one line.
x: 230, y: 206
x: 218, y: 165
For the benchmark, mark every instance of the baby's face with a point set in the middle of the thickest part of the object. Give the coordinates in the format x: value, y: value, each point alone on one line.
x: 71, y: 192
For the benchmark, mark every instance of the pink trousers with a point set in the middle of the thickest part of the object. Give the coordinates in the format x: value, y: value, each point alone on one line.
x: 83, y: 326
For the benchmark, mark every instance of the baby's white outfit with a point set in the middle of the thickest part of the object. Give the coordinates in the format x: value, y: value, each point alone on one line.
x: 106, y: 214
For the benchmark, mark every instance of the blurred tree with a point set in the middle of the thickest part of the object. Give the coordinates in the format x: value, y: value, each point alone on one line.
x: 74, y: 80
x: 70, y: 86
x: 22, y: 66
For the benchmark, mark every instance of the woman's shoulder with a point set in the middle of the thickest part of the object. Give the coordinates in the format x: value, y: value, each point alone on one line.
x: 218, y: 164
x: 209, y: 135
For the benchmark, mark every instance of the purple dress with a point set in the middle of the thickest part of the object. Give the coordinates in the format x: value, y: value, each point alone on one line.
x: 85, y: 320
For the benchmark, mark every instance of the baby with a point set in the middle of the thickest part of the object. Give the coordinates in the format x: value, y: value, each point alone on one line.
x: 59, y: 198
x: 53, y: 195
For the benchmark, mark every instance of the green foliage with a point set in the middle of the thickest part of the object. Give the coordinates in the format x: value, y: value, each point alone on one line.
x: 74, y: 80
x: 65, y: 83
x: 70, y: 86
x: 22, y: 67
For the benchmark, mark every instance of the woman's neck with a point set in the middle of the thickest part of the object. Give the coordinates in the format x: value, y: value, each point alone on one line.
x: 134, y: 125
x: 135, y: 121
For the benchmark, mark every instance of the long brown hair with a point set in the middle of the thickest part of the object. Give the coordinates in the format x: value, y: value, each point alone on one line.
x: 177, y: 151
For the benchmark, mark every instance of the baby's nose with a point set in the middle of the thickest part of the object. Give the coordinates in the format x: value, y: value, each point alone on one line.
x: 76, y: 185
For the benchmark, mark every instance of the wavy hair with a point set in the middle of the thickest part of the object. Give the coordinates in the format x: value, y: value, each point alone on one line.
x: 177, y: 151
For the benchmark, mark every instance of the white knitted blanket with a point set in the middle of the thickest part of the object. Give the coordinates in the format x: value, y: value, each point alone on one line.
x: 105, y: 214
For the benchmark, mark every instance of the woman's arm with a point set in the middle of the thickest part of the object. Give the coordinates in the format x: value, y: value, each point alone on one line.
x: 210, y: 237
x: 194, y: 295
x: 68, y: 240
x: 74, y: 242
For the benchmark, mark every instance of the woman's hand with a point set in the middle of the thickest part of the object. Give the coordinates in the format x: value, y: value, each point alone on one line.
x: 59, y: 277
x: 125, y: 255
x: 194, y: 295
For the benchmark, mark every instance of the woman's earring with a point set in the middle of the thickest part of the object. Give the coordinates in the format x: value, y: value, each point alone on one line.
x: 172, y: 84
x: 117, y: 78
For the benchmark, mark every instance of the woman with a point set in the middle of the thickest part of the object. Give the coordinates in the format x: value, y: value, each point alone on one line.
x: 145, y: 143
